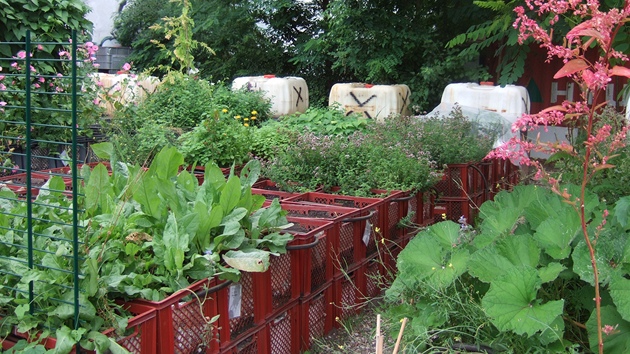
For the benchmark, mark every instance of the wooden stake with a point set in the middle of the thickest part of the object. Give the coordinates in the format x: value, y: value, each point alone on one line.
x: 379, y: 338
x: 400, y: 333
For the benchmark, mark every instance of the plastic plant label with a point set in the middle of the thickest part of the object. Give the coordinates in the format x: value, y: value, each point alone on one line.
x: 65, y: 158
x: 234, y: 300
x: 367, y: 232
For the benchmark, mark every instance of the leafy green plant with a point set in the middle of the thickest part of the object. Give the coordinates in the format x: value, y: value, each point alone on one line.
x: 270, y: 139
x: 326, y: 121
x: 243, y: 103
x: 150, y: 232
x: 454, y: 138
x: 527, y: 268
x: 220, y: 138
x: 354, y: 164
x: 181, y: 28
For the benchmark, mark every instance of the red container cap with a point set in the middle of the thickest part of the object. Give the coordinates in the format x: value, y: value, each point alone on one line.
x: 269, y: 76
x: 486, y: 83
x: 368, y: 85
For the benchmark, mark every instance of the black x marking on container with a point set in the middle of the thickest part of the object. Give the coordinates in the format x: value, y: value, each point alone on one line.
x: 404, y: 101
x: 299, y: 95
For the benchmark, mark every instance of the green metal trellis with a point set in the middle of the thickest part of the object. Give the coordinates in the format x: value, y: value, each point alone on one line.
x: 41, y: 231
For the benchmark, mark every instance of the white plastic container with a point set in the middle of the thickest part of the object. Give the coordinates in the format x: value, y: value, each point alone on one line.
x: 373, y: 101
x: 124, y: 88
x: 508, y: 103
x: 288, y: 95
x: 511, y: 101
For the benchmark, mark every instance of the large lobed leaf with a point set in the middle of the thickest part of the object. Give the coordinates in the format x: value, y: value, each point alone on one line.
x: 512, y: 305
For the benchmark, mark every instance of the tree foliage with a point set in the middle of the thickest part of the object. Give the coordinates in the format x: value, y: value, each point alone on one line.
x: 48, y: 20
x: 325, y: 41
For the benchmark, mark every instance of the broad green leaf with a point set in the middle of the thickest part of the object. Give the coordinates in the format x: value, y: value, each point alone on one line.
x: 497, y: 224
x: 231, y: 194
x: 232, y: 241
x: 97, y: 189
x: 512, y: 305
x: 168, y: 191
x: 583, y: 266
x: 202, y: 267
x: 250, y: 173
x: 248, y: 261
x: 175, y: 244
x: 104, y: 151
x: 166, y: 163
x: 213, y: 176
x: 66, y: 339
x: 235, y: 216
x: 520, y: 250
x: 618, y: 341
x: 487, y: 264
x: 622, y: 211
x: 186, y: 181
x: 426, y: 259
x: 620, y: 293
x: 146, y: 193
x: 446, y: 232
x: 550, y: 272
x: 555, y: 237
x: 554, y: 332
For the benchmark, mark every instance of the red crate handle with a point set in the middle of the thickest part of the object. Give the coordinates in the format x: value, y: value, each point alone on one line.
x: 303, y: 246
x: 204, y: 292
x: 404, y: 199
x: 360, y: 218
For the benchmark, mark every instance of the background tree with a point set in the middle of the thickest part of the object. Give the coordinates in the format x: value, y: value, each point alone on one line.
x: 325, y: 42
x: 48, y: 20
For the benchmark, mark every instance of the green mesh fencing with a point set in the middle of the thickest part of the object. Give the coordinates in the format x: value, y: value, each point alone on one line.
x: 42, y: 131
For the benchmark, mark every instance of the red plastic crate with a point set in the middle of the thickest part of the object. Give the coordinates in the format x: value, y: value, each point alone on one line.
x: 348, y: 295
x: 344, y: 244
x: 376, y: 278
x: 313, y: 252
x: 139, y: 338
x: 183, y: 318
x: 17, y: 183
x: 240, y: 308
x: 251, y: 342
x: 372, y: 209
x: 283, y: 330
x: 316, y: 315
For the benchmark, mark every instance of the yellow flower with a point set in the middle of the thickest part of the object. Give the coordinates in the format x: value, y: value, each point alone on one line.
x: 224, y: 110
x: 254, y: 113
x: 253, y: 118
x: 377, y: 229
x: 246, y: 119
x: 443, y: 216
x: 247, y: 125
x: 237, y: 117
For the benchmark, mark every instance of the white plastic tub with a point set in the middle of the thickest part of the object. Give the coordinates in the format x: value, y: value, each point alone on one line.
x: 373, y: 101
x: 288, y: 95
x: 125, y: 89
x: 510, y: 101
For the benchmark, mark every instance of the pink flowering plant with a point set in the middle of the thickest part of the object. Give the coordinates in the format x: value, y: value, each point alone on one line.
x: 50, y: 84
x: 547, y: 269
x: 594, y: 34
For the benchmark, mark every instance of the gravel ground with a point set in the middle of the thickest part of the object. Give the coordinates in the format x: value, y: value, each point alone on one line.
x: 356, y: 335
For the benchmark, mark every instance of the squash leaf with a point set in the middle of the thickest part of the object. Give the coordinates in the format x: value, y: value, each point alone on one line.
x: 512, y: 305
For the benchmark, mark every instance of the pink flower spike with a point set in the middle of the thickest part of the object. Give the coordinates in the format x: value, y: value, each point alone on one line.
x: 40, y: 47
x: 2, y: 103
x: 21, y: 54
x: 126, y: 67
